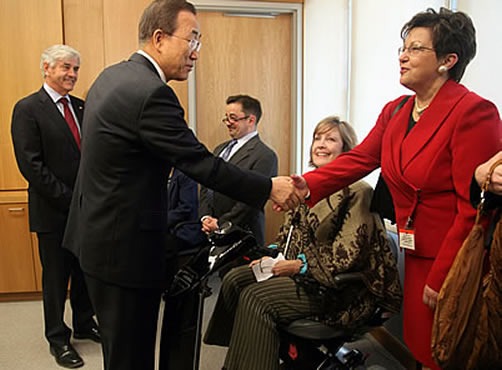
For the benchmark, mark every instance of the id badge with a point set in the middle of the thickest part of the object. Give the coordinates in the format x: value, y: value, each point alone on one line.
x: 407, y: 238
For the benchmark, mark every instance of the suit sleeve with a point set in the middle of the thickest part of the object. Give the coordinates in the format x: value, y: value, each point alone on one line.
x: 205, y: 208
x: 164, y: 131
x: 265, y: 164
x: 205, y: 204
x: 27, y: 141
x: 187, y: 202
x: 350, y: 166
x: 474, y: 141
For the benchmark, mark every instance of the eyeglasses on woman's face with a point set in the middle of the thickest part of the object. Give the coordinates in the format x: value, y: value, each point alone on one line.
x: 412, y: 50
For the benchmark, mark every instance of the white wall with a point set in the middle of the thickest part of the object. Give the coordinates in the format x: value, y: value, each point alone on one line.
x: 325, y: 61
x: 484, y: 73
x: 376, y: 37
x: 374, y: 79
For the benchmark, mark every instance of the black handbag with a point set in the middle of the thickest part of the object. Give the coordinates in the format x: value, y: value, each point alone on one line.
x: 382, y: 202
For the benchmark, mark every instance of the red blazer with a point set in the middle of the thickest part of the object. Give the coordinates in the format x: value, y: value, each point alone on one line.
x: 437, y: 159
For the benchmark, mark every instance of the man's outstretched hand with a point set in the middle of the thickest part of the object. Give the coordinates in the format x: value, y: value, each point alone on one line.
x: 288, y: 192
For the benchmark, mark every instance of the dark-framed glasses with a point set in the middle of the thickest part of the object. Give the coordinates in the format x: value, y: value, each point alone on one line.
x: 193, y: 44
x: 412, y: 50
x: 233, y: 119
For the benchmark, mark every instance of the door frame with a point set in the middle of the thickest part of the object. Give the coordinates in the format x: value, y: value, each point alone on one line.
x: 263, y: 8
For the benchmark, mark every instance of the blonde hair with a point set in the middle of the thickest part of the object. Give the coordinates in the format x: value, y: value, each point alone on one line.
x: 346, y: 131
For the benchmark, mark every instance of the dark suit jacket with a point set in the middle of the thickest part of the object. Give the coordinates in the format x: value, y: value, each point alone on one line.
x: 256, y: 156
x: 134, y: 131
x: 47, y: 156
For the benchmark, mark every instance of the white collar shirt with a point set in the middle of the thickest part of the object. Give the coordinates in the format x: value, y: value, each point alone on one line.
x: 157, y: 67
x: 240, y: 143
x: 55, y: 96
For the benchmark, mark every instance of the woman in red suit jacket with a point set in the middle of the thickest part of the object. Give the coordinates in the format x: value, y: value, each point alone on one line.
x: 427, y: 167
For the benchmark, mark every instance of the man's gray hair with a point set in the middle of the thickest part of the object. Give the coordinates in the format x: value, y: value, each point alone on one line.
x: 57, y: 52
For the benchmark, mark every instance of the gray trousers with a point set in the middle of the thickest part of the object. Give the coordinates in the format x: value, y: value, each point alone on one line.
x: 246, y: 316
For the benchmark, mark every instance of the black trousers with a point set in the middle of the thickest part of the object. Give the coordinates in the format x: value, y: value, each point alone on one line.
x: 127, y: 320
x: 58, y: 266
x: 179, y: 333
x: 179, y: 329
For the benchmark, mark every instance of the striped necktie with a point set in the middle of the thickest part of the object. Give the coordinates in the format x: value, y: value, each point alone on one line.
x: 228, y: 149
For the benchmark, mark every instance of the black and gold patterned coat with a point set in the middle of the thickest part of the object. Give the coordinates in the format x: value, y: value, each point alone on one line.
x: 340, y: 235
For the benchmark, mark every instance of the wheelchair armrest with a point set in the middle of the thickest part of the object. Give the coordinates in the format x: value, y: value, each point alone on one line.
x: 348, y: 278
x: 313, y: 330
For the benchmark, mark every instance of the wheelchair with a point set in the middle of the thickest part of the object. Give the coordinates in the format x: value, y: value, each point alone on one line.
x: 221, y: 249
x: 305, y: 344
x: 308, y: 344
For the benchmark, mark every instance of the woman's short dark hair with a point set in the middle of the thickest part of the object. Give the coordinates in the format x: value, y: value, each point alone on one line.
x: 452, y: 32
x: 161, y: 14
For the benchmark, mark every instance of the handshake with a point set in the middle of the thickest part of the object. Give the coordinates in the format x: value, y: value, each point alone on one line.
x: 288, y: 191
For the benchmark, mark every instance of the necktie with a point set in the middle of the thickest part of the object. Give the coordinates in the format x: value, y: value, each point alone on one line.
x: 228, y: 149
x: 224, y: 155
x: 70, y: 120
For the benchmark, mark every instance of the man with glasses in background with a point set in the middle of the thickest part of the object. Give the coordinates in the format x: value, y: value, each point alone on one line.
x: 245, y: 150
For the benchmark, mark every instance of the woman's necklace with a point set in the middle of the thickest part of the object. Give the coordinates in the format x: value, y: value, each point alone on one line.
x: 420, y: 110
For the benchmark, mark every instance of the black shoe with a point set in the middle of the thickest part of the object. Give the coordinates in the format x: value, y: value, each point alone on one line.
x: 66, y: 356
x: 92, y: 334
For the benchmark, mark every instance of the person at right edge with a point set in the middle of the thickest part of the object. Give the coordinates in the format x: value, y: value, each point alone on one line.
x: 134, y: 132
x: 490, y: 354
x: 427, y: 151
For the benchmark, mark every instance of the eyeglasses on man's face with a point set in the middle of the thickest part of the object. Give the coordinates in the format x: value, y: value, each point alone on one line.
x: 412, y: 50
x: 193, y: 44
x: 233, y: 119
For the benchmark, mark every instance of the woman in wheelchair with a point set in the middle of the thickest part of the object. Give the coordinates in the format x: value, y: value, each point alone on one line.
x: 338, y: 235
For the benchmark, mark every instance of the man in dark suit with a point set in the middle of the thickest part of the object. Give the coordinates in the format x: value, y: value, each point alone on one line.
x: 46, y: 137
x: 245, y: 150
x: 134, y: 131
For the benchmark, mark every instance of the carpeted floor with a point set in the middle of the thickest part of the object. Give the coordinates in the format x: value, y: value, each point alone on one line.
x: 23, y: 346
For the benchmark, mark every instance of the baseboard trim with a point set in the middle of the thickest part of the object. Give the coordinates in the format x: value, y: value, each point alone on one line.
x: 25, y: 296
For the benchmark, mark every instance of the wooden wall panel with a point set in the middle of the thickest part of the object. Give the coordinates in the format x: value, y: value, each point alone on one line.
x: 120, y: 35
x: 17, y: 273
x: 181, y: 90
x: 27, y: 28
x: 251, y: 56
x: 121, y: 19
x: 83, y: 30
x: 234, y: 60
